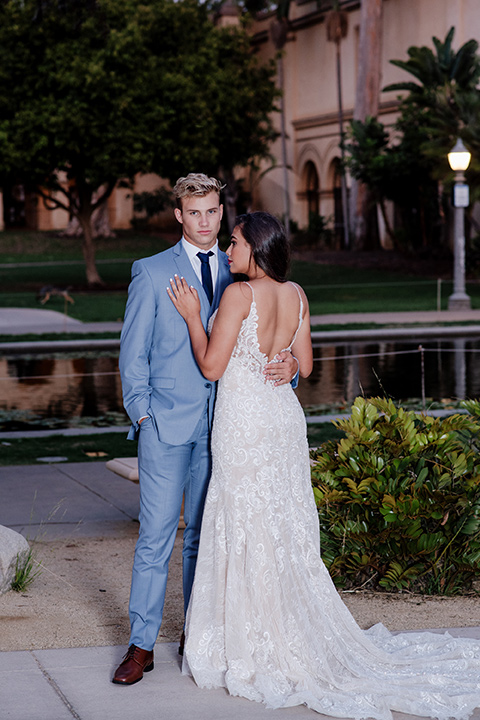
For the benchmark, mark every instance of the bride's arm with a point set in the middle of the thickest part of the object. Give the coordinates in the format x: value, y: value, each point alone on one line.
x: 302, y: 347
x: 212, y: 355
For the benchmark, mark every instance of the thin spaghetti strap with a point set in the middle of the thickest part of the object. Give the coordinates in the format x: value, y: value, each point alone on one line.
x: 251, y: 288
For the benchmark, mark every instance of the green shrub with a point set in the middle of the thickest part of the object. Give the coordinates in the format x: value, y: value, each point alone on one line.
x: 399, y: 499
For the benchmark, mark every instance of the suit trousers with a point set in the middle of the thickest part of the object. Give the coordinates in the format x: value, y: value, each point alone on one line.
x: 166, y: 472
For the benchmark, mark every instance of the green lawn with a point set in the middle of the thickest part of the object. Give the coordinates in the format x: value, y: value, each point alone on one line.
x: 101, y: 447
x: 26, y: 451
x: 330, y: 289
x: 338, y: 289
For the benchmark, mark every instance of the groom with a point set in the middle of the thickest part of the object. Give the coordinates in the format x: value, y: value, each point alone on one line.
x: 170, y: 405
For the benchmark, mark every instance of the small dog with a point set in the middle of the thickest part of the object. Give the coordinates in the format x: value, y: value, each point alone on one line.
x: 46, y: 292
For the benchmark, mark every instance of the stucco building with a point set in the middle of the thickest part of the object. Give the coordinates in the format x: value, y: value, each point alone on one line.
x: 311, y: 96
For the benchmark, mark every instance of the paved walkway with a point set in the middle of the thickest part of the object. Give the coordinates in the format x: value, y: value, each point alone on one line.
x: 420, y: 325
x: 21, y: 321
x: 67, y: 683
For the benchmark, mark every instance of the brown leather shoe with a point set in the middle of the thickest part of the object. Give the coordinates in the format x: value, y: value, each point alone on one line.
x: 133, y: 665
x: 182, y: 644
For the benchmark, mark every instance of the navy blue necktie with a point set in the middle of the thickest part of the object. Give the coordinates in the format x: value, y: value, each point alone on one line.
x: 206, y: 274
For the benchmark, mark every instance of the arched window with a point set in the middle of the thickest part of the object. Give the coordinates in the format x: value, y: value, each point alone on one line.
x: 312, y: 189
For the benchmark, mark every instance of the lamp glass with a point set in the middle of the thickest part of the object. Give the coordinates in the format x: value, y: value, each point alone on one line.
x: 459, y: 157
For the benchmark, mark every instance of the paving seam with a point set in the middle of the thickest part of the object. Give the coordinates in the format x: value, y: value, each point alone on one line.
x: 55, y: 687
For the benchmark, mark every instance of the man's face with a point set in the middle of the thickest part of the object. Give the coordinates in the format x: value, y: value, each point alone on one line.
x: 201, y: 218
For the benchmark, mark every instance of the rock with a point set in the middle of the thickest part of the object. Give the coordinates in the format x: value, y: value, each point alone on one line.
x: 11, y: 544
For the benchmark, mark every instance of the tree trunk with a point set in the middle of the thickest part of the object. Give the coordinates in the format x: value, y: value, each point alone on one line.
x: 230, y: 198
x: 100, y: 221
x: 88, y: 248
x: 386, y: 220
x: 343, y: 179
x: 278, y: 33
x: 337, y: 28
x: 366, y: 105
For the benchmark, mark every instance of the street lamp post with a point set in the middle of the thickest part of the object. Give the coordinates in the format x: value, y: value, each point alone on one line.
x: 459, y: 160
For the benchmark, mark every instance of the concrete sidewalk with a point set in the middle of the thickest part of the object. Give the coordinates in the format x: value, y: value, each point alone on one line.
x: 421, y: 317
x: 22, y: 321
x: 66, y: 683
x: 19, y: 321
x: 418, y: 326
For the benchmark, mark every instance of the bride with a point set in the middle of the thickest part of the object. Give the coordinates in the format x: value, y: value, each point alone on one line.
x: 265, y: 620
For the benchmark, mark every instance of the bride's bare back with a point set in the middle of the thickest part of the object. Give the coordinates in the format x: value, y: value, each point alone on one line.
x: 278, y: 308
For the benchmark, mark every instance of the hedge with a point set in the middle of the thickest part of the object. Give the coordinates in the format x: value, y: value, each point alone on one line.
x: 399, y: 499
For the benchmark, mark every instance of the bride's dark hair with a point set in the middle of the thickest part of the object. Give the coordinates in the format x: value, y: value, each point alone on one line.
x: 268, y: 240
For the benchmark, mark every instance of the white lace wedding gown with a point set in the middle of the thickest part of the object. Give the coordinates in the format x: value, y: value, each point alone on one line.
x: 265, y: 620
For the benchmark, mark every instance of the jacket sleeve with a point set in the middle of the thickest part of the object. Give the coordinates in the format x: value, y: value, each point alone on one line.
x: 136, y: 343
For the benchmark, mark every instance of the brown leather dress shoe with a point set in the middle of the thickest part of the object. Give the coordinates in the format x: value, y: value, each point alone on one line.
x: 182, y: 644
x: 133, y: 665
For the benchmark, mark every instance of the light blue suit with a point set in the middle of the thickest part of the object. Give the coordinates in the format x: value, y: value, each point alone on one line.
x: 161, y: 380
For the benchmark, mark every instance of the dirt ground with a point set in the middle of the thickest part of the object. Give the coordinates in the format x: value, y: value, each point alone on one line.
x: 80, y: 599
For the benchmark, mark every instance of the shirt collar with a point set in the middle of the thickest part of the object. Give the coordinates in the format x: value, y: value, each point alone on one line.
x: 192, y: 250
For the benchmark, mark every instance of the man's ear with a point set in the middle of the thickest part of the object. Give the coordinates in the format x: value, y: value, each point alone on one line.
x: 221, y: 210
x: 178, y: 215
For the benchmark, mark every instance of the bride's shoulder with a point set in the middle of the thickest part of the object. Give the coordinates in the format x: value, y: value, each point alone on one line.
x: 238, y: 290
x: 237, y: 294
x: 297, y: 289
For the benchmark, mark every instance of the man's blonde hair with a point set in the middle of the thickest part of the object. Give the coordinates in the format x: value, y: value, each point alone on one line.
x: 195, y: 185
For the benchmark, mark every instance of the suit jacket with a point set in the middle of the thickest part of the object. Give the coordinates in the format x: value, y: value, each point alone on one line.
x: 160, y: 377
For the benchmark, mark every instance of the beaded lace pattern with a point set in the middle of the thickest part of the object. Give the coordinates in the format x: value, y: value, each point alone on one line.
x: 265, y: 620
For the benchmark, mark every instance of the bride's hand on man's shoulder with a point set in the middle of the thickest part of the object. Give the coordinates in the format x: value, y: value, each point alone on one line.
x: 184, y: 297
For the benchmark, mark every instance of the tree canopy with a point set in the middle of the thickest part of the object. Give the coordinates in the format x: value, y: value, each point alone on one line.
x: 96, y: 91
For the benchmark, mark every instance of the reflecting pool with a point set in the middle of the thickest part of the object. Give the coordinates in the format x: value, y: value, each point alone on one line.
x: 65, y: 387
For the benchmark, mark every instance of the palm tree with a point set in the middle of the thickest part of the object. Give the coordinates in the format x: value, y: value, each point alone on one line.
x: 337, y: 27
x: 278, y: 32
x: 366, y: 105
x: 445, y: 102
x: 440, y: 72
x: 446, y: 94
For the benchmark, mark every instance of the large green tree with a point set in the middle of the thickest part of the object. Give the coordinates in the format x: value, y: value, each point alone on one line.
x: 93, y: 92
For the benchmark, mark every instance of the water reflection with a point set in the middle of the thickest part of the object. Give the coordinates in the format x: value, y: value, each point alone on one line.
x: 66, y: 387
x: 393, y: 368
x: 61, y: 387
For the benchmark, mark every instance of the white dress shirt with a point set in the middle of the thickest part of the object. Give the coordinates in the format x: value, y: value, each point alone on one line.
x: 192, y: 251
